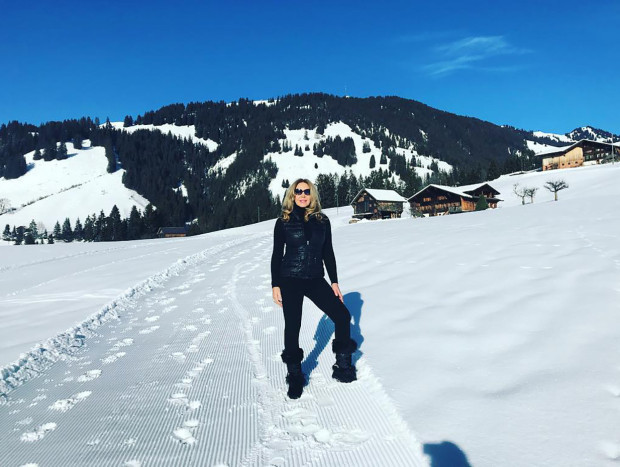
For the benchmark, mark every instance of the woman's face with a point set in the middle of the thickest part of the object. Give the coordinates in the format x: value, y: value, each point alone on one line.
x: 302, y: 195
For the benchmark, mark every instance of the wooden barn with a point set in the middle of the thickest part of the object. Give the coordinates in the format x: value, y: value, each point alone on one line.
x: 435, y: 200
x: 170, y: 232
x: 584, y: 152
x: 372, y: 203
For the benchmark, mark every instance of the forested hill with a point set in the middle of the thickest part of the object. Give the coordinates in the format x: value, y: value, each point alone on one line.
x: 400, y: 143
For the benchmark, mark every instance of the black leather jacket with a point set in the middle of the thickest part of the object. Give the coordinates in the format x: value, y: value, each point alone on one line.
x: 308, y: 245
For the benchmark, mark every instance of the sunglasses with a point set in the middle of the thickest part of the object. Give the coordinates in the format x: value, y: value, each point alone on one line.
x: 305, y: 192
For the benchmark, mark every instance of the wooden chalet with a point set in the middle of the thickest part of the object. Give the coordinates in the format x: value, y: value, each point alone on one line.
x: 372, y: 203
x: 584, y: 152
x: 435, y: 200
x: 170, y: 232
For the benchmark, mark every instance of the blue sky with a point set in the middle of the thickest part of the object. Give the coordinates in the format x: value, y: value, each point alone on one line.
x: 550, y: 65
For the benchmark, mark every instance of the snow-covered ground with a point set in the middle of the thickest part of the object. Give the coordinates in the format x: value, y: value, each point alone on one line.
x: 486, y: 338
x: 309, y: 165
x: 180, y: 131
x: 75, y: 187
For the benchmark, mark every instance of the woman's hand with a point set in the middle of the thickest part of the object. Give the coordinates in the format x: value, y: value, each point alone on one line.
x: 277, y: 296
x: 337, y: 291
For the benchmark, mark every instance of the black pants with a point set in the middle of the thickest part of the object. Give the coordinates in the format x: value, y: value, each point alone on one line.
x: 322, y: 295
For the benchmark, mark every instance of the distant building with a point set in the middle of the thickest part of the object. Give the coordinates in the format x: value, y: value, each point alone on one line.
x: 372, y: 203
x: 435, y: 200
x: 584, y: 152
x: 169, y: 232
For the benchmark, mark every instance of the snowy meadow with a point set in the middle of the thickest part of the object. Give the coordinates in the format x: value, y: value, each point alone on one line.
x: 486, y: 339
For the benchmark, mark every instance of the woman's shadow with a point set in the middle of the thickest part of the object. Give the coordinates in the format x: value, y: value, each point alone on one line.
x: 325, y: 330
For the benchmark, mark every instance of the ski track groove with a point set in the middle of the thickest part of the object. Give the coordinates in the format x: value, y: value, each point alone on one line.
x: 222, y: 298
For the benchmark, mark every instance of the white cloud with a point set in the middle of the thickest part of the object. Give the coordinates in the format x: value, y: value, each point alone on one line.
x: 471, y: 52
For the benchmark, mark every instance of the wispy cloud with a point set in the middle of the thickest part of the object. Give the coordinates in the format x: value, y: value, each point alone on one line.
x: 471, y: 52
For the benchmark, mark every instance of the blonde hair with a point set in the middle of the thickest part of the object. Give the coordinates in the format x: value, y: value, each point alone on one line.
x: 288, y: 203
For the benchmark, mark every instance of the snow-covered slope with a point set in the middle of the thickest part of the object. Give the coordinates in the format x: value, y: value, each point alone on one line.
x: 491, y: 335
x: 75, y: 187
x: 184, y: 132
x: 309, y: 166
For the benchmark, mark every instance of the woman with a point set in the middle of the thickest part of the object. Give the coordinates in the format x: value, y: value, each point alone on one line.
x: 298, y: 272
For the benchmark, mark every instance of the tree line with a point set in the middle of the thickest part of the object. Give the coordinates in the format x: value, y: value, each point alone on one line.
x: 95, y: 228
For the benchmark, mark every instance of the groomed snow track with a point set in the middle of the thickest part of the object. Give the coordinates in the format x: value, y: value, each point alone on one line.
x: 184, y: 370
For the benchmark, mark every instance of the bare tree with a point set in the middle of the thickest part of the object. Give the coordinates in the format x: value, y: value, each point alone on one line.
x: 5, y: 205
x: 520, y: 192
x: 556, y: 185
x: 531, y: 192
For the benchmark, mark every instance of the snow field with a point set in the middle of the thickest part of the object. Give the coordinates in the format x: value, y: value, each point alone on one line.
x: 75, y: 187
x: 200, y: 388
x: 493, y: 334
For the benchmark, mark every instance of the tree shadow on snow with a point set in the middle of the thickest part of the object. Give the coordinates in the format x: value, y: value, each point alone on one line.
x: 325, y: 330
x: 446, y: 454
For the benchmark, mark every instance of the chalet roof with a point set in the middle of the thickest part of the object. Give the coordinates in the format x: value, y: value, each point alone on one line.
x: 381, y: 195
x: 463, y: 191
x: 173, y: 230
x: 451, y: 189
x: 471, y: 191
x: 563, y: 149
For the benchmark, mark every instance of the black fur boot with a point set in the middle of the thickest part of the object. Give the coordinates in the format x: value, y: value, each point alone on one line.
x: 344, y: 370
x: 295, y: 377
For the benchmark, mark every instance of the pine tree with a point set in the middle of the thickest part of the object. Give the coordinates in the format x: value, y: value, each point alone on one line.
x: 88, y: 232
x: 372, y: 161
x: 481, y: 204
x: 19, y: 237
x: 116, y: 225
x: 383, y: 159
x: 57, y: 232
x: 49, y: 153
x: 493, y: 171
x: 28, y: 239
x: 78, y: 231
x: 62, y: 152
x: 6, y: 235
x: 67, y: 232
x: 37, y: 155
x: 134, y: 224
x: 50, y: 239
x: 33, y: 229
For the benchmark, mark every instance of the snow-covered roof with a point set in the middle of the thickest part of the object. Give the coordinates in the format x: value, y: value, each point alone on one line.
x: 568, y: 148
x: 382, y: 195
x: 457, y: 191
x: 460, y: 191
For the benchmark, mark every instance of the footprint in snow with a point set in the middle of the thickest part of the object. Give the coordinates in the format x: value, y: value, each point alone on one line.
x: 179, y: 357
x: 67, y: 404
x: 149, y: 330
x: 184, y: 436
x: 89, y: 376
x: 39, y: 433
x: 151, y: 319
x: 112, y: 358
